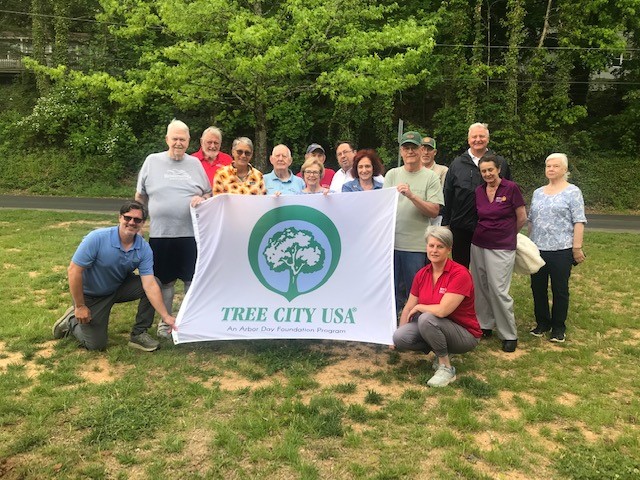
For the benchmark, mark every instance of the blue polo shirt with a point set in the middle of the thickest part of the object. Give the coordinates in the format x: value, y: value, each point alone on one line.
x: 293, y: 186
x: 105, y: 262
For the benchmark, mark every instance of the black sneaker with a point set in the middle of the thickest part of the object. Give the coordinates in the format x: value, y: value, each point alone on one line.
x: 539, y: 331
x: 487, y: 333
x: 557, y: 337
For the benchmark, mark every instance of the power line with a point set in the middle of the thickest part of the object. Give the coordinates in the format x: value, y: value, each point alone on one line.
x: 443, y: 45
x: 484, y: 80
x: 527, y: 47
x: 77, y: 19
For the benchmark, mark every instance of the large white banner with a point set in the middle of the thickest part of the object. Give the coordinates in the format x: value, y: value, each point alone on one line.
x: 300, y: 266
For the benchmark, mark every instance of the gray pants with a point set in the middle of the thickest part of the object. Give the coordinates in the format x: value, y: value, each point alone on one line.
x: 431, y: 333
x: 93, y: 335
x: 491, y: 271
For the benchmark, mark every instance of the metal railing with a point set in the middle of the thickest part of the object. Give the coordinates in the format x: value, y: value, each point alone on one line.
x: 11, y: 65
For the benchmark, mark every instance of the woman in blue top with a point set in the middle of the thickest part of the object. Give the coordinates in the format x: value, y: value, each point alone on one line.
x: 366, y: 166
x: 556, y: 226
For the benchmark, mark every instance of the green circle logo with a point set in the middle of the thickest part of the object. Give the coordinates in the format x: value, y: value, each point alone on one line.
x: 294, y: 250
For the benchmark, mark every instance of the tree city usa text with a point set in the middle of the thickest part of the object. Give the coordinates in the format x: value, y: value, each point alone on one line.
x: 289, y: 314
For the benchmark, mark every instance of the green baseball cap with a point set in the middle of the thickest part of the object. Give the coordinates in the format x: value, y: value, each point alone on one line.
x: 411, y: 137
x: 430, y: 141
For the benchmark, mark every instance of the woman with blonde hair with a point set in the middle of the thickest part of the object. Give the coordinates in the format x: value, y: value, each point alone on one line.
x: 440, y: 314
x: 312, y: 171
x: 556, y: 226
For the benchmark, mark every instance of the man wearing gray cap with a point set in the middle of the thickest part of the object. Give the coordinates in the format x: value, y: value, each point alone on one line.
x: 316, y: 151
x: 420, y: 200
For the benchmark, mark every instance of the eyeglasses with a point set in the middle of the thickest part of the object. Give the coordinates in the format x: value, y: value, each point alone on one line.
x: 312, y: 172
x: 344, y: 152
x: 246, y: 153
x: 136, y: 220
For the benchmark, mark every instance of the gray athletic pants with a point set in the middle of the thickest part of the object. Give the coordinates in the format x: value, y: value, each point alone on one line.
x: 431, y: 333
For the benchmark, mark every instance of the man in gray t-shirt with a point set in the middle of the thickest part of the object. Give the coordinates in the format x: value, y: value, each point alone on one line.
x: 169, y: 182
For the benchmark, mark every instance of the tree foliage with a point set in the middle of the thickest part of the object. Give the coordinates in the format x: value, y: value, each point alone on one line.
x: 251, y: 58
x: 547, y: 75
x: 294, y: 250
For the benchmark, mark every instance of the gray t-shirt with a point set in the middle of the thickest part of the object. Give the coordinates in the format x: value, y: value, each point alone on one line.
x: 170, y: 184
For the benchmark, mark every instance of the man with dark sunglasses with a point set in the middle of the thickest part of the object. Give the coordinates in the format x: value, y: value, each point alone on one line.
x: 101, y: 275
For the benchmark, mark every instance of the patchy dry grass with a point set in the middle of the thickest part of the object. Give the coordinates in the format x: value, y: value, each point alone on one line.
x: 313, y: 409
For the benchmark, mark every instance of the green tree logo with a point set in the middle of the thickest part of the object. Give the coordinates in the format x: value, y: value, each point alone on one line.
x: 294, y: 250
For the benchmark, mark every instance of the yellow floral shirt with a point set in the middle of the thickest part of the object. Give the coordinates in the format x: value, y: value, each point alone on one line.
x: 226, y: 180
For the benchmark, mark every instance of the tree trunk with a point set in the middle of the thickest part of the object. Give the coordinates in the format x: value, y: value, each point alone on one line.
x: 61, y: 31
x: 545, y: 25
x: 260, y: 154
x: 515, y: 20
x: 39, y: 35
x: 473, y: 88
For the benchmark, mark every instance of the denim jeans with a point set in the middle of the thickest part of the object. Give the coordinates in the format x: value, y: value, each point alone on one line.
x: 405, y: 267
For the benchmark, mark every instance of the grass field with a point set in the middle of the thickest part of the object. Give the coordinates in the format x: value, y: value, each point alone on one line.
x: 313, y: 409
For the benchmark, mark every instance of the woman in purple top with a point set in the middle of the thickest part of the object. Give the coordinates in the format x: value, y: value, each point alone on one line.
x: 501, y: 215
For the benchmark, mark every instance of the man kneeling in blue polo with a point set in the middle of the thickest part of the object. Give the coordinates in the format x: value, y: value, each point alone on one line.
x: 101, y: 275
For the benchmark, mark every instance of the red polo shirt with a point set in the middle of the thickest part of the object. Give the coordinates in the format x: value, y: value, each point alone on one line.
x: 454, y: 279
x: 221, y: 160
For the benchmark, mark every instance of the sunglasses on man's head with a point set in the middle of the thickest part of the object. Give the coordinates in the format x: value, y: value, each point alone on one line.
x: 136, y: 220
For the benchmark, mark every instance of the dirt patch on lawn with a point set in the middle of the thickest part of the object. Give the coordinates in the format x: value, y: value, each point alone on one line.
x: 102, y: 371
x: 508, y: 411
x: 341, y: 373
x: 7, y: 358
x: 232, y: 382
x: 81, y: 222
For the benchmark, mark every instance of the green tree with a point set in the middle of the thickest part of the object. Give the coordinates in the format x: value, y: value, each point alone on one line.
x: 250, y: 58
x: 294, y: 250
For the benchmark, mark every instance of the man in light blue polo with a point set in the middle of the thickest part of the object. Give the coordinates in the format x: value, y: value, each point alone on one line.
x: 282, y: 181
x: 101, y: 275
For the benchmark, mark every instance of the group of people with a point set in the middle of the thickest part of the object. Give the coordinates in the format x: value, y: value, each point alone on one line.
x: 472, y: 209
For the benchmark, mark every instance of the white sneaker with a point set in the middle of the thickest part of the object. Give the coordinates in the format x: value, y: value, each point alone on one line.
x: 435, y: 365
x: 443, y: 377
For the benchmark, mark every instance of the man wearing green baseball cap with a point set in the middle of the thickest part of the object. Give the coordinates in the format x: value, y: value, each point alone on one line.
x: 419, y: 201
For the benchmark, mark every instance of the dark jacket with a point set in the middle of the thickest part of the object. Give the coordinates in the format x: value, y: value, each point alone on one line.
x: 460, y: 185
